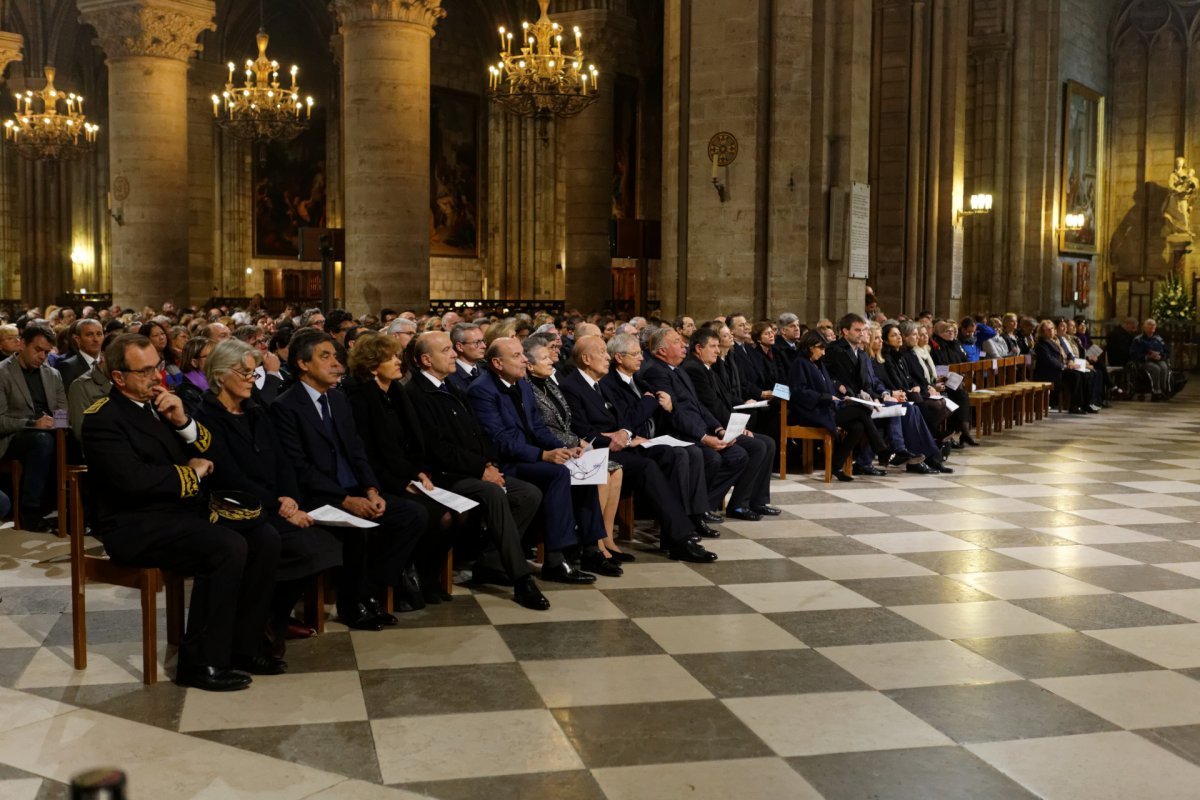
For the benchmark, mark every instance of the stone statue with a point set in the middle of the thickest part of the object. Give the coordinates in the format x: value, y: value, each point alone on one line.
x: 1182, y: 185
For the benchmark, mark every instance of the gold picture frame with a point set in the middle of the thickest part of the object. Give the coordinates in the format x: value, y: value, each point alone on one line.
x: 1082, y: 177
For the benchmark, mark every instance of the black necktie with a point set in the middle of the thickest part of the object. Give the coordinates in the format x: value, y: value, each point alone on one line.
x: 345, y: 475
x: 474, y: 373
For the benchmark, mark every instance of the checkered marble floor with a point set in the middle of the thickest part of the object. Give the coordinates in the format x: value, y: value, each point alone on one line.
x: 1026, y: 627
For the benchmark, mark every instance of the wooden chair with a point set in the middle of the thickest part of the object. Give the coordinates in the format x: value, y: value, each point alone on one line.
x: 16, y: 473
x: 980, y: 401
x: 625, y: 519
x: 147, y: 580
x: 808, y: 435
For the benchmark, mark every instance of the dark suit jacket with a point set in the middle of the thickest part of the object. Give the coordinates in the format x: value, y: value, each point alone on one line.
x: 71, y: 368
x: 751, y: 371
x: 813, y: 390
x: 709, y: 391
x: 847, y: 366
x: 634, y: 409
x: 690, y: 420
x: 248, y: 457
x: 456, y: 445
x: 395, y: 444
x: 520, y: 436
x: 1047, y: 361
x: 785, y: 354
x: 946, y: 351
x: 460, y: 379
x: 592, y: 413
x: 307, y: 445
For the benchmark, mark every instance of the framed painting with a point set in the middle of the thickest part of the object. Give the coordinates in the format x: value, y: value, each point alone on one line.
x: 1067, y: 295
x: 454, y: 141
x: 625, y: 148
x: 289, y: 190
x: 1083, y: 282
x: 1081, y: 183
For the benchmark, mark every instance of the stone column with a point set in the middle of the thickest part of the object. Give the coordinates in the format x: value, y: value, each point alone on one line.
x: 10, y: 278
x: 386, y: 150
x: 148, y: 44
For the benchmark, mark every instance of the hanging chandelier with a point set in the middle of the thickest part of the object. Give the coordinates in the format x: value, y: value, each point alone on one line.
x: 540, y: 80
x: 261, y: 109
x: 50, y: 124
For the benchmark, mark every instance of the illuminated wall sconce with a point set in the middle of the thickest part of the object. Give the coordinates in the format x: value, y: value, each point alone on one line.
x: 1074, y: 222
x: 978, y: 204
x: 249, y: 270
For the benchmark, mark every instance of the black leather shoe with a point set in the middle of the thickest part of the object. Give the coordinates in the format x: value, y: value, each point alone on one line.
x: 410, y: 590
x: 608, y: 567
x: 712, y: 518
x: 260, y: 665
x: 212, y: 679
x: 481, y: 574
x: 841, y: 476
x: 690, y: 551
x: 622, y: 557
x: 942, y: 468
x: 868, y: 470
x: 906, y: 458
x: 360, y: 618
x: 966, y: 438
x: 564, y: 573
x: 743, y: 513
x: 959, y: 444
x: 527, y: 593
x: 706, y: 532
x: 946, y: 447
x: 382, y: 616
x: 766, y: 510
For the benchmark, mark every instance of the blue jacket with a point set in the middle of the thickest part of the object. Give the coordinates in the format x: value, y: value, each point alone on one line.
x: 520, y: 436
x: 813, y: 391
x: 1143, y: 345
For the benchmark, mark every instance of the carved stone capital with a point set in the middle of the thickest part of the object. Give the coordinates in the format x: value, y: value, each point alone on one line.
x: 10, y: 48
x: 159, y: 28
x: 424, y: 13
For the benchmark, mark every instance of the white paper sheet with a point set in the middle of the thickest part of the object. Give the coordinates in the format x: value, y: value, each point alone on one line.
x: 782, y: 392
x: 452, y: 501
x: 950, y: 404
x: 888, y: 412
x: 1094, y: 351
x: 871, y: 404
x: 942, y: 370
x: 751, y: 405
x: 1080, y: 363
x: 736, y: 426
x: 590, y: 469
x: 665, y: 441
x: 336, y: 518
x: 953, y: 380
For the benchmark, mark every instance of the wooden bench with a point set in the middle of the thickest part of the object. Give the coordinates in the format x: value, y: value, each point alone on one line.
x: 809, y: 435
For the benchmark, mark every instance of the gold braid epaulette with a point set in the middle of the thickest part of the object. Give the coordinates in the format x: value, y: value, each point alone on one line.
x: 203, y: 438
x: 189, y: 484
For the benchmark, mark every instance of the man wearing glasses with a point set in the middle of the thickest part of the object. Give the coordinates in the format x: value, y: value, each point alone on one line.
x: 469, y: 347
x: 146, y: 461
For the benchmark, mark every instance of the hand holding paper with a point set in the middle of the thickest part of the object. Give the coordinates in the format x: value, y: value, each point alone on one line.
x: 782, y: 391
x: 590, y: 468
x: 736, y: 426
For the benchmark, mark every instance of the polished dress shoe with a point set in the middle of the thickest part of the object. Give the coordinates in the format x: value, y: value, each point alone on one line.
x: 623, y: 557
x: 712, y: 518
x: 597, y: 563
x: 564, y: 573
x: 906, y: 458
x: 766, y: 510
x: 958, y: 444
x: 920, y: 469
x: 482, y: 574
x: 260, y: 665
x: 212, y: 679
x: 841, y: 476
x: 527, y: 593
x: 743, y: 514
x: 706, y: 532
x: 381, y: 616
x: 869, y: 470
x: 898, y: 459
x: 937, y: 466
x: 966, y: 438
x: 360, y: 618
x: 693, y: 552
x: 945, y: 448
x: 409, y: 597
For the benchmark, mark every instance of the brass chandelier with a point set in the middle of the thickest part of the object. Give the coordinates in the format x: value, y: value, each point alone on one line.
x: 50, y: 124
x: 540, y: 80
x: 262, y: 109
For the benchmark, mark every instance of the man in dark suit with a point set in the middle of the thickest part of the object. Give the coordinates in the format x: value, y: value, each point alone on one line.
x: 786, y: 343
x: 146, y: 460
x: 507, y: 411
x: 699, y: 367
x: 754, y: 381
x: 637, y: 410
x: 469, y: 347
x: 87, y: 335
x: 466, y: 463
x: 317, y: 432
x: 594, y: 418
x: 725, y: 463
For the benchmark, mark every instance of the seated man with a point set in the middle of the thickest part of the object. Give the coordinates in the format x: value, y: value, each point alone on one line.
x: 725, y: 463
x: 31, y: 392
x: 88, y: 336
x: 506, y: 409
x: 705, y: 351
x: 146, y: 463
x: 636, y: 412
x: 317, y: 433
x: 469, y: 348
x: 594, y: 418
x: 1151, y: 351
x: 466, y: 463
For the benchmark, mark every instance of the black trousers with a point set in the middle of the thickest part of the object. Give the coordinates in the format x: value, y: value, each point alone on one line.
x: 721, y: 469
x: 563, y: 505
x: 373, y: 558
x: 233, y: 572
x: 683, y: 468
x: 35, y: 450
x: 856, y: 420
x: 644, y: 477
x: 507, y: 513
x: 753, y: 486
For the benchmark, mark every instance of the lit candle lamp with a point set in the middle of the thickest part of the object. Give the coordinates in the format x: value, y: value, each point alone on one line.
x: 216, y: 105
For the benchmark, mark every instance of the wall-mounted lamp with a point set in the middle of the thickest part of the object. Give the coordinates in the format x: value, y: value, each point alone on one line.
x: 249, y: 270
x: 115, y: 211
x: 978, y: 204
x: 722, y: 151
x: 1074, y: 222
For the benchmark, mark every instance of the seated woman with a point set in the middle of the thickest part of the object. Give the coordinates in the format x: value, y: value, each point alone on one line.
x: 557, y: 415
x: 396, y: 450
x: 919, y: 356
x: 168, y: 359
x: 246, y: 457
x: 1051, y: 363
x: 191, y: 383
x: 906, y: 367
x: 918, y: 435
x: 817, y: 402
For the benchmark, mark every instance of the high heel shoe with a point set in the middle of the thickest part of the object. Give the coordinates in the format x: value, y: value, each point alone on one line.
x: 841, y: 476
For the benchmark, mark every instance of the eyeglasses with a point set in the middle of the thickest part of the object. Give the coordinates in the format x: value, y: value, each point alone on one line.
x: 473, y: 343
x: 632, y: 353
x: 146, y: 372
x: 246, y: 376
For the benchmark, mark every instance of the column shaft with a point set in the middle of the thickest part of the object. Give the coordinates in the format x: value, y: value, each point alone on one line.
x: 589, y: 169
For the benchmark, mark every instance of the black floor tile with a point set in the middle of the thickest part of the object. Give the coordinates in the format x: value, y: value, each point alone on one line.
x: 926, y: 773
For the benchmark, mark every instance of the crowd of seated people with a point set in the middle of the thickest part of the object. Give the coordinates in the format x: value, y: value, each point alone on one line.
x: 183, y: 414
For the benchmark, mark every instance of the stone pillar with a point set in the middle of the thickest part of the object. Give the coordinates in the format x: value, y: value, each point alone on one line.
x: 10, y: 279
x: 148, y: 44
x: 386, y: 150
